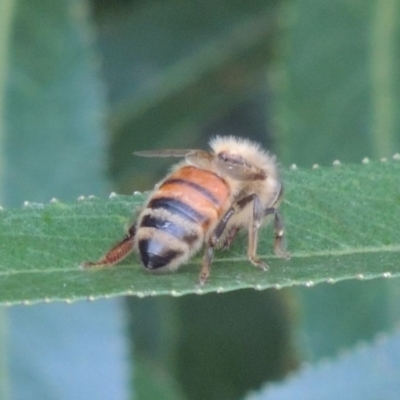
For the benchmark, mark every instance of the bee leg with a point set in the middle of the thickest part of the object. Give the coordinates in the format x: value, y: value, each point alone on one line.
x: 229, y: 237
x: 117, y: 253
x: 279, y: 242
x: 219, y: 229
x: 239, y: 205
x: 258, y: 214
x: 206, y: 264
x: 210, y: 244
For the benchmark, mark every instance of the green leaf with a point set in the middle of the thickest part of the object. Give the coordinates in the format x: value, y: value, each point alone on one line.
x: 54, y: 104
x: 342, y: 223
x: 54, y: 107
x: 368, y: 372
x: 4, y: 374
x: 341, y: 81
x: 338, y: 100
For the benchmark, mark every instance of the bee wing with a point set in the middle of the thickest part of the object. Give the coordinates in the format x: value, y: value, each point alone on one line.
x: 200, y: 158
x: 237, y: 168
x: 228, y: 164
x: 164, y: 153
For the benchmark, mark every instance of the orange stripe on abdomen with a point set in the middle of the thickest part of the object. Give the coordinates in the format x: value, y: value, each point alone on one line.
x: 202, y: 190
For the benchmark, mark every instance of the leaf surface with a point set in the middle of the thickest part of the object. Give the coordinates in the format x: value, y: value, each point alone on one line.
x: 341, y: 222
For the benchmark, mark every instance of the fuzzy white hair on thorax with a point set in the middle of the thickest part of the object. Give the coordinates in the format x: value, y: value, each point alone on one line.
x: 249, y: 150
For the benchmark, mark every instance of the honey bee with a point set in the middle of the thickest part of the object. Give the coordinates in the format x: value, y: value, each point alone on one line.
x: 205, y: 200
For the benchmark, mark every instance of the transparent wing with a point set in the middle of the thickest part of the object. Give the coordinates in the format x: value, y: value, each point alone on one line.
x: 164, y: 153
x: 198, y: 158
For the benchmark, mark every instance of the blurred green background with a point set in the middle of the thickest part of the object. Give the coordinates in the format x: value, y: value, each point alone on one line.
x: 85, y: 83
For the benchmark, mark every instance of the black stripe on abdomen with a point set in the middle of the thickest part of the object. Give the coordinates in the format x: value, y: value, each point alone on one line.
x: 169, y: 227
x: 154, y: 254
x: 200, y: 189
x: 177, y: 207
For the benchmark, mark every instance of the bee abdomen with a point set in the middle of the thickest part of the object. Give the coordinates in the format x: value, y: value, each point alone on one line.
x: 178, y: 208
x: 183, y: 233
x: 163, y: 242
x: 201, y: 190
x: 154, y: 254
